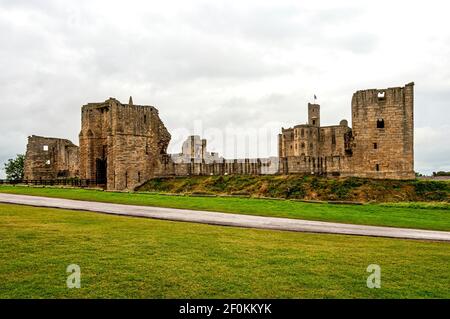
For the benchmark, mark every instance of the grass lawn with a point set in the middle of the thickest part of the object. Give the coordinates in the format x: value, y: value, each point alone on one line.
x: 144, y: 258
x: 412, y: 215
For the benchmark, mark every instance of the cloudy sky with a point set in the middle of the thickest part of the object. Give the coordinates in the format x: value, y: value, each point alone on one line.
x: 222, y: 69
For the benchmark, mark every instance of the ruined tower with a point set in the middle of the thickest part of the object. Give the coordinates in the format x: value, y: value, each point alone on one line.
x: 314, y: 114
x: 50, y: 158
x: 121, y: 144
x: 383, y: 141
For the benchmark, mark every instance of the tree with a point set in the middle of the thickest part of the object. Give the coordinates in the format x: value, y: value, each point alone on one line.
x: 14, y: 167
x: 441, y: 173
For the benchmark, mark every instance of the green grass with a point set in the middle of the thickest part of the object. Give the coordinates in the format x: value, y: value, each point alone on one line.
x: 411, y: 215
x: 306, y: 187
x: 125, y: 257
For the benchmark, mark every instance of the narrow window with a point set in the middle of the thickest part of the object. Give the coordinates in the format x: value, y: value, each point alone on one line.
x: 45, y: 147
x: 303, y: 132
x: 314, y: 122
x: 377, y: 167
x: 375, y: 146
x: 145, y: 119
x: 380, y: 123
x: 139, y: 177
x: 303, y: 145
x: 333, y: 139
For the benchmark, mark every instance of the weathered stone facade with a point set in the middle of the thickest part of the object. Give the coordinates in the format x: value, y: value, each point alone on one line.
x: 194, y: 148
x: 244, y: 166
x: 50, y: 158
x: 124, y: 145
x: 380, y: 144
x: 194, y: 159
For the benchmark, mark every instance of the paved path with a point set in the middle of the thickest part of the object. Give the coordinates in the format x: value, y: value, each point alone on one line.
x: 227, y: 219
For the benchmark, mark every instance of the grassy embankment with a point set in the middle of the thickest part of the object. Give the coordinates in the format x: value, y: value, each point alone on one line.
x: 435, y: 216
x: 306, y: 188
x: 123, y: 257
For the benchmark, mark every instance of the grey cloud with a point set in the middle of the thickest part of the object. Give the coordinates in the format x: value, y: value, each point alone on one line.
x: 192, y: 64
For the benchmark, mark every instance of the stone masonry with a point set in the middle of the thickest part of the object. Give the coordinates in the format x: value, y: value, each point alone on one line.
x: 124, y: 145
x: 380, y: 144
x: 50, y: 158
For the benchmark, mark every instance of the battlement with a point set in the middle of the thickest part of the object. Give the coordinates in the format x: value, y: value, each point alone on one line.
x: 383, y: 126
x: 363, y: 98
x: 107, y: 104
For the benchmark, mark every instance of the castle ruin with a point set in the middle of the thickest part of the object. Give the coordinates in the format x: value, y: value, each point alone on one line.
x: 380, y: 143
x: 124, y: 145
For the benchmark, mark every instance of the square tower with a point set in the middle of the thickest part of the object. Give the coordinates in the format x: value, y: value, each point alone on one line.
x: 383, y: 125
x: 314, y: 114
x: 121, y: 145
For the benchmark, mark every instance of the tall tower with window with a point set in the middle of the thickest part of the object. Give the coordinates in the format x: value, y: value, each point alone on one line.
x: 383, y: 125
x: 314, y: 114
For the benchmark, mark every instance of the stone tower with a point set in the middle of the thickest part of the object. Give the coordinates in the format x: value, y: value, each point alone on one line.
x: 50, y: 158
x: 383, y: 141
x: 122, y: 145
x: 314, y: 114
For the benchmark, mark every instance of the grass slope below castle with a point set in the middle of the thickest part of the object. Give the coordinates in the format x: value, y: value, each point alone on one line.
x: 433, y: 216
x: 122, y: 257
x: 306, y: 187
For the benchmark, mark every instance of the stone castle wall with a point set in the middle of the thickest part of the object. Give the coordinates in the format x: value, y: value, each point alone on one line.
x: 222, y: 167
x: 121, y: 143
x: 124, y: 145
x: 379, y: 145
x: 50, y: 158
x: 383, y: 128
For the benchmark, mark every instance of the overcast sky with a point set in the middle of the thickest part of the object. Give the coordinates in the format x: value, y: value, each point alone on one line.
x: 221, y: 68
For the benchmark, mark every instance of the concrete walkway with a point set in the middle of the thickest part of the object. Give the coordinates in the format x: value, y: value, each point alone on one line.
x: 227, y: 219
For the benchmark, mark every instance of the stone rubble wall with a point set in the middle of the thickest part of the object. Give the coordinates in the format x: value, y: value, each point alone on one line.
x: 126, y: 144
x: 365, y: 150
x: 224, y: 167
x: 50, y: 158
